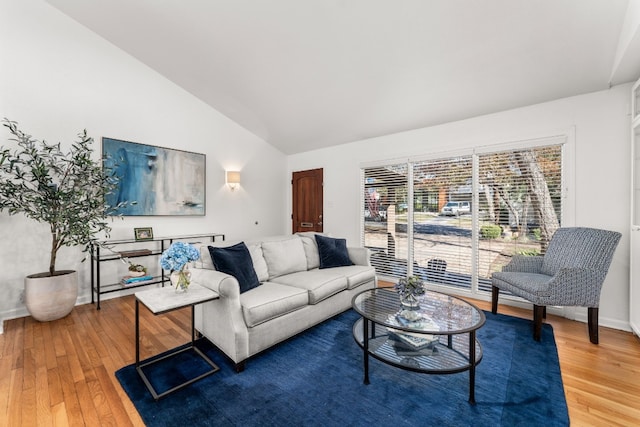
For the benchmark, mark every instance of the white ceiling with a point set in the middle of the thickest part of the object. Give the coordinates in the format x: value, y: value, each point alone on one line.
x: 307, y: 74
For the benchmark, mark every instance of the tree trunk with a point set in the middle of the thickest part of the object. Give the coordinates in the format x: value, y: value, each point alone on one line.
x: 522, y: 231
x: 490, y: 205
x: 54, y: 253
x: 540, y: 196
x: 504, y: 195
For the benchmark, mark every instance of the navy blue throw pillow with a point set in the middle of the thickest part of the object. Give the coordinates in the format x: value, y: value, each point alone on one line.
x: 333, y: 252
x: 236, y: 261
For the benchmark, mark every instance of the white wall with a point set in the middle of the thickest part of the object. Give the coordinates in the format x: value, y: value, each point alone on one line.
x: 602, y: 170
x: 58, y: 78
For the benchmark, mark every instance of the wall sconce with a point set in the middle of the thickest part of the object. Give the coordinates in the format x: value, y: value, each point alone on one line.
x: 233, y: 179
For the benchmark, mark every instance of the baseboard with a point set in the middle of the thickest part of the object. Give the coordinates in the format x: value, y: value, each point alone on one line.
x: 23, y: 312
x: 581, y: 314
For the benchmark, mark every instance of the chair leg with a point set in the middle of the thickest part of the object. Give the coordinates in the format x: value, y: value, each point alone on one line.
x: 538, y: 311
x: 495, y: 291
x: 544, y: 312
x: 593, y: 324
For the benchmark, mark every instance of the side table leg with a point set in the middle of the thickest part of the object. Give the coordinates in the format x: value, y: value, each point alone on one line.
x: 137, y: 333
x: 193, y: 325
x: 365, y: 335
x: 472, y: 369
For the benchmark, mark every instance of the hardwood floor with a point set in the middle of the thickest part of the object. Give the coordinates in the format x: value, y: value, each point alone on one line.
x: 62, y: 373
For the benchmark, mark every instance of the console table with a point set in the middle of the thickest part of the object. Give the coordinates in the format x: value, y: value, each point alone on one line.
x: 130, y: 248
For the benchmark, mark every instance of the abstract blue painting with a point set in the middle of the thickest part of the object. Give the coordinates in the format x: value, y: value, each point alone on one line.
x: 161, y: 181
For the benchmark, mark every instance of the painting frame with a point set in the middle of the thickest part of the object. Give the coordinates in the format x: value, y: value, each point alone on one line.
x: 161, y: 181
x: 143, y: 233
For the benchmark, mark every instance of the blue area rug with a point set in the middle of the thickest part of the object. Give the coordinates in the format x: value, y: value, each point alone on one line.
x: 315, y: 379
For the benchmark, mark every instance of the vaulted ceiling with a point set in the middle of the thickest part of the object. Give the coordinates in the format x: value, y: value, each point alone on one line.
x: 307, y: 74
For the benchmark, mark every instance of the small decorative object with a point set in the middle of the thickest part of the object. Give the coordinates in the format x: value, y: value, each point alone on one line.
x: 408, y: 289
x: 137, y: 270
x: 145, y: 233
x: 176, y: 259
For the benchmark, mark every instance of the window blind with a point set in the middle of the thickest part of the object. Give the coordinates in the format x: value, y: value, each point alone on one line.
x: 442, y: 220
x: 385, y: 210
x: 520, y: 196
x: 455, y: 220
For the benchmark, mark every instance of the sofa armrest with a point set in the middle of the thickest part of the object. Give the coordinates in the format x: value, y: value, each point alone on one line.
x: 359, y: 256
x: 224, y: 284
x: 221, y: 320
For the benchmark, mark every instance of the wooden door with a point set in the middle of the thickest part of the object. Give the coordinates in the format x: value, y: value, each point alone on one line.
x: 307, y: 200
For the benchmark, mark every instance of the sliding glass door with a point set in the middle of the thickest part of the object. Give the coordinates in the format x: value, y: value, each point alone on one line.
x: 454, y: 220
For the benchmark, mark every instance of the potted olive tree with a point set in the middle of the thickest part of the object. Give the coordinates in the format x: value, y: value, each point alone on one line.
x: 64, y: 189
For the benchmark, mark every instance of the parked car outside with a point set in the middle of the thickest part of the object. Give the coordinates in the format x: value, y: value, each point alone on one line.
x: 456, y: 208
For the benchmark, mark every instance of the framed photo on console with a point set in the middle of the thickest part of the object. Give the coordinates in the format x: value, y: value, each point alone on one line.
x: 143, y: 233
x: 161, y: 181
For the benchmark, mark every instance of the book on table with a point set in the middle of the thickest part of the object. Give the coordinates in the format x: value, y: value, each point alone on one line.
x: 405, y: 350
x: 129, y: 280
x: 413, y: 340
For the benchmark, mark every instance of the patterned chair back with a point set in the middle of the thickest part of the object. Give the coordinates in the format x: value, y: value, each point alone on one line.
x: 580, y: 247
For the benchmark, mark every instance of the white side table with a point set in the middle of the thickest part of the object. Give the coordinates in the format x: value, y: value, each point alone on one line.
x: 163, y: 300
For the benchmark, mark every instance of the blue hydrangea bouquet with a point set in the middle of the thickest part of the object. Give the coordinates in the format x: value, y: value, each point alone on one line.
x: 175, y: 259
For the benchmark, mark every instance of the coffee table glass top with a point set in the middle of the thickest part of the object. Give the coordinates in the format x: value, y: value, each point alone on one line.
x: 438, y: 314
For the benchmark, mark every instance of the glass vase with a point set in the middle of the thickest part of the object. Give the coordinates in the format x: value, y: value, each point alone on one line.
x: 181, y: 279
x: 409, y: 301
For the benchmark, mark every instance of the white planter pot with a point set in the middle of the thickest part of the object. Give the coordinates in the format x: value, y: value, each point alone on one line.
x: 51, y: 297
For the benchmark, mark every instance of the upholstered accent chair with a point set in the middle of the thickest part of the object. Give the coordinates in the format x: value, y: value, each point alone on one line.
x: 570, y: 273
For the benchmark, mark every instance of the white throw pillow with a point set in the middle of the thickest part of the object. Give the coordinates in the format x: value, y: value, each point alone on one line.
x: 259, y: 264
x: 310, y: 249
x: 284, y: 256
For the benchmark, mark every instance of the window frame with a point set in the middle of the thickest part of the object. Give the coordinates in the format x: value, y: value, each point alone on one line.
x: 565, y: 138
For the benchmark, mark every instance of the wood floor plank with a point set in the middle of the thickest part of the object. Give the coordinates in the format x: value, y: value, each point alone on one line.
x: 14, y: 412
x: 27, y: 407
x: 71, y: 363
x: 107, y: 397
x: 43, y: 401
x: 59, y: 415
x: 72, y: 404
x: 117, y: 394
x: 90, y: 414
x: 49, y: 350
x: 56, y: 395
x: 5, y: 384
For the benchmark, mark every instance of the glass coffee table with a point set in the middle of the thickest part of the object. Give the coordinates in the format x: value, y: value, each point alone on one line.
x: 438, y: 337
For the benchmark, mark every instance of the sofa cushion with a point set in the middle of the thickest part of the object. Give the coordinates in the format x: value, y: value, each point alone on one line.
x: 310, y: 249
x: 259, y: 264
x: 284, y: 256
x: 333, y: 252
x: 236, y: 261
x: 356, y: 274
x: 320, y: 284
x: 271, y: 300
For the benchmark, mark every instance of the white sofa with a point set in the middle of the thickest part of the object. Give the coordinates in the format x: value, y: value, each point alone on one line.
x: 293, y: 295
